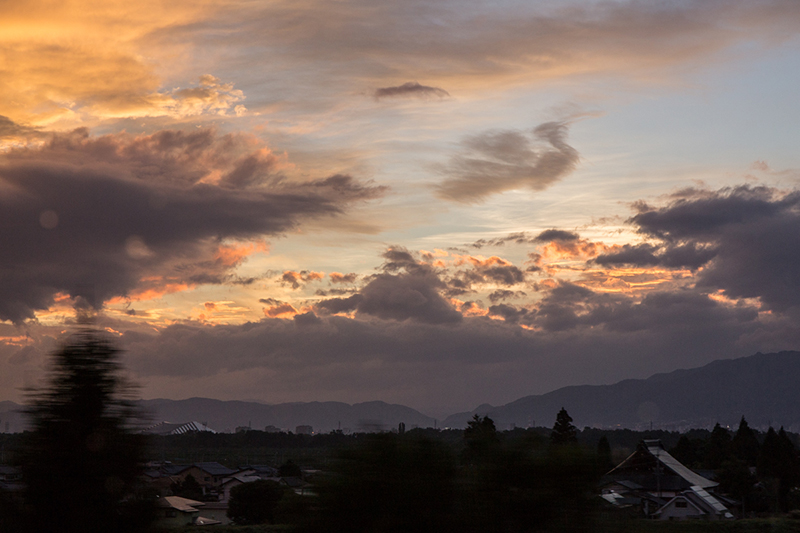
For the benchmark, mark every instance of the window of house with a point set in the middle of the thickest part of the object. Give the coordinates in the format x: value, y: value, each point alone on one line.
x: 171, y: 513
x: 681, y: 504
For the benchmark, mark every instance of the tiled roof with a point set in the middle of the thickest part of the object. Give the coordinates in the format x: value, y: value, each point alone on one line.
x: 215, y: 469
x: 181, y: 504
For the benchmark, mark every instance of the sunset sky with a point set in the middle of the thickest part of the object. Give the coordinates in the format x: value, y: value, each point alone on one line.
x: 435, y: 203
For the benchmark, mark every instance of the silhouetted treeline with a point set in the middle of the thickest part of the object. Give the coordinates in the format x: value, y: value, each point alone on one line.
x: 257, y: 447
x: 412, y: 483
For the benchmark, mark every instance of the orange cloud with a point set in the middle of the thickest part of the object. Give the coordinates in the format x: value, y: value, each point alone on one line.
x: 19, y: 340
x: 480, y: 261
x: 283, y: 310
x: 580, y: 249
x: 231, y: 255
x: 338, y: 277
x: 468, y: 308
x: 75, y: 61
x: 296, y: 279
x: 158, y: 288
x: 223, y: 312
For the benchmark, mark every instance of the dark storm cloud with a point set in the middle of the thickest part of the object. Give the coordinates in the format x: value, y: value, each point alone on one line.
x: 298, y: 279
x: 337, y: 277
x: 492, y: 270
x: 505, y: 294
x: 340, y: 305
x: 509, y: 313
x: 579, y: 337
x: 747, y: 239
x: 690, y: 256
x: 413, y: 293
x: 398, y: 257
x: 572, y: 307
x: 92, y: 216
x: 10, y: 129
x: 706, y: 215
x: 406, y: 296
x: 497, y: 161
x: 560, y: 235
x: 410, y: 89
x: 523, y: 237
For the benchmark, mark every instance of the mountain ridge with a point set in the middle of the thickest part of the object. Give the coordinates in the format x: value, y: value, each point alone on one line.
x: 761, y: 387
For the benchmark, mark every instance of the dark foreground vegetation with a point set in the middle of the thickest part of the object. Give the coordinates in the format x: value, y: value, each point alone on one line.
x: 83, y: 469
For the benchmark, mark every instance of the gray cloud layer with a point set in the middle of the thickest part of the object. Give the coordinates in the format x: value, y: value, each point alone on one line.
x: 409, y: 344
x: 412, y: 294
x: 359, y: 40
x: 411, y: 89
x: 456, y: 364
x: 747, y: 239
x: 498, y: 161
x: 92, y: 216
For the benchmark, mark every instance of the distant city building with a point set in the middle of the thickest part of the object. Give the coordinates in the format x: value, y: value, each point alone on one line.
x: 304, y: 430
x: 272, y: 429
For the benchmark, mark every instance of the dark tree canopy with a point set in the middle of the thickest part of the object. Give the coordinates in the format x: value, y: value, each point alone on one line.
x: 83, y: 456
x: 389, y: 484
x: 254, y: 502
x: 289, y: 469
x: 481, y: 440
x: 718, y: 447
x: 564, y: 432
x: 605, y: 463
x: 778, y: 460
x: 745, y: 444
x: 188, y: 488
x: 688, y: 451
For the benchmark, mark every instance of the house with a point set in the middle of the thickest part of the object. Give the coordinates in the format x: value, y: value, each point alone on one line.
x: 659, y: 485
x: 209, y: 475
x: 234, y: 481
x: 262, y: 471
x: 174, y: 511
x: 655, y: 471
x: 694, y: 503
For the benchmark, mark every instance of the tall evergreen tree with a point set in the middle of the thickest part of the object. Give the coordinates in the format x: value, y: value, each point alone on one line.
x: 769, y: 462
x: 778, y: 461
x: 604, y: 461
x: 563, y: 430
x: 687, y: 451
x: 717, y: 447
x: 82, y: 456
x: 481, y: 440
x: 745, y: 444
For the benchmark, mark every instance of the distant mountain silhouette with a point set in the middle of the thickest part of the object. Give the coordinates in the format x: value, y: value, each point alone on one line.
x: 322, y: 416
x: 228, y: 415
x: 765, y: 388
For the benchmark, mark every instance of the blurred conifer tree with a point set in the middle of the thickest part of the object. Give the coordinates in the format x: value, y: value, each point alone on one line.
x: 83, y: 456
